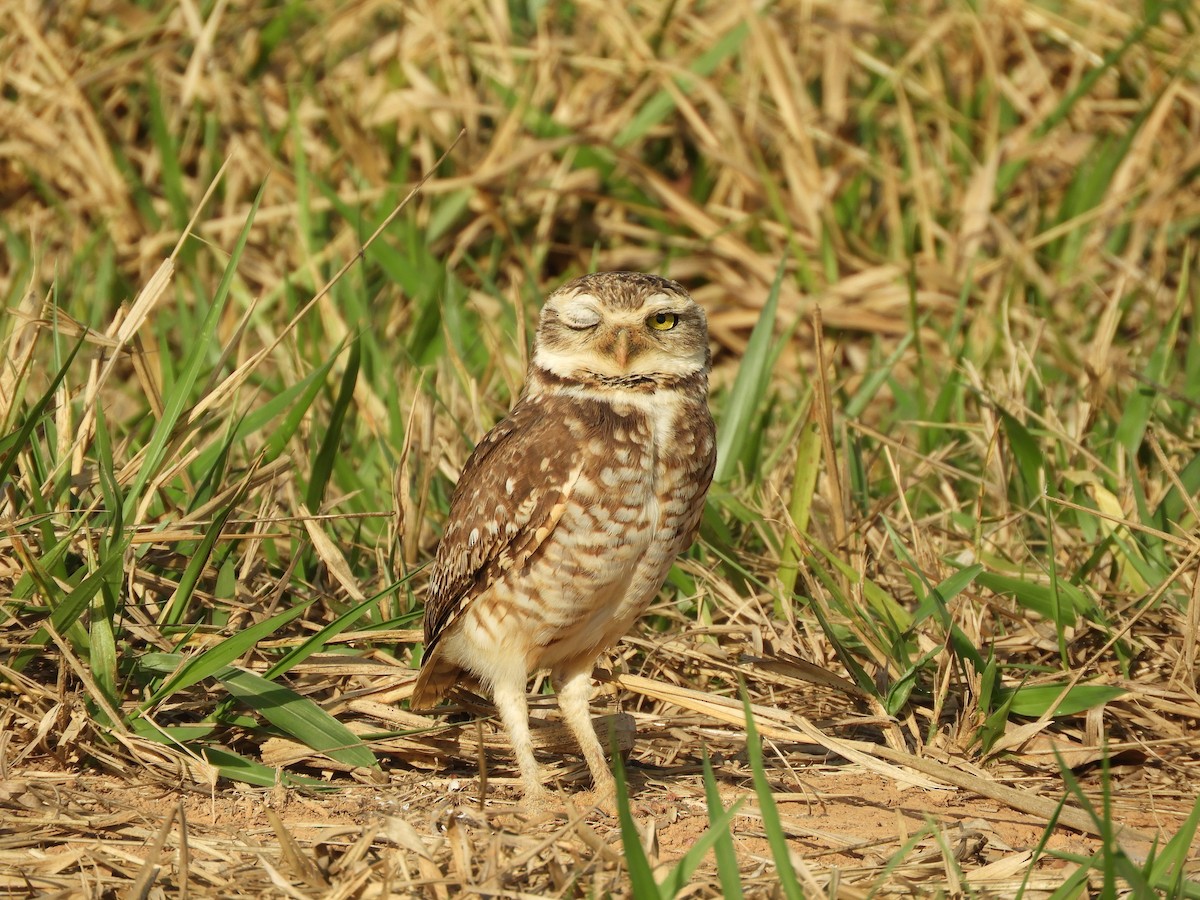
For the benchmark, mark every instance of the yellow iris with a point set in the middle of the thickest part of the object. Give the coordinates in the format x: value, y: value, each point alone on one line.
x: 663, y: 321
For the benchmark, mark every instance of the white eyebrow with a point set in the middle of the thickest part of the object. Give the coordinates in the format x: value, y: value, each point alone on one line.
x: 664, y: 300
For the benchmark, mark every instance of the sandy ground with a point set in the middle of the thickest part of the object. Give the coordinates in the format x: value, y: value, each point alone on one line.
x: 87, y: 835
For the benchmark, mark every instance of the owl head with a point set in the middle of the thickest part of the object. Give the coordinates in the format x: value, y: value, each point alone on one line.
x: 623, y: 326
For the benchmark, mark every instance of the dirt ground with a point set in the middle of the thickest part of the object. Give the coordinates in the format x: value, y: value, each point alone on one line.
x: 81, y: 834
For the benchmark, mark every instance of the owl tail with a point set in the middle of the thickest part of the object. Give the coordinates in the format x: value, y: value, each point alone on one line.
x: 434, y: 681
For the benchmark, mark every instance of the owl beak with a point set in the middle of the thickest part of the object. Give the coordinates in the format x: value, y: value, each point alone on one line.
x: 622, y: 347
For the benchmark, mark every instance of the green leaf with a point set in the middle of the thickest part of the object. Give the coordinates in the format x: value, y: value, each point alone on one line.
x: 893, y: 615
x: 804, y: 481
x: 102, y: 649
x: 237, y: 768
x: 898, y: 694
x: 1173, y: 505
x: 308, y: 389
x: 1035, y: 700
x: 172, y: 735
x: 1027, y: 452
x: 66, y: 612
x: 1139, y: 405
x: 728, y: 871
x: 179, y: 395
x: 175, y: 607
x: 170, y: 171
x: 641, y: 877
x: 11, y: 445
x: 102, y: 646
x: 1166, y: 870
x: 1090, y: 79
x: 318, y: 641
x: 298, y: 716
x: 662, y: 104
x: 934, y: 600
x: 332, y: 437
x: 207, y: 663
x: 766, y: 805
x: 995, y: 718
x: 1040, y: 597
x: 446, y: 212
x: 677, y: 879
x: 876, y: 377
x: 749, y: 388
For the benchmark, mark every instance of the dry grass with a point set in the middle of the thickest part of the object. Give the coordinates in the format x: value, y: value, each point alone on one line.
x: 1002, y: 197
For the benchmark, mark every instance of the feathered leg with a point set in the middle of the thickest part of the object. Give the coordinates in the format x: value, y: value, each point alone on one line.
x: 574, y: 686
x: 509, y: 696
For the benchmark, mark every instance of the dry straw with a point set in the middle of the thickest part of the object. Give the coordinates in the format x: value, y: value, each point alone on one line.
x: 996, y: 197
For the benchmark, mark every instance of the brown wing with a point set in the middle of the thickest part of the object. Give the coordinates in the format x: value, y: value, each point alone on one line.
x: 511, y: 494
x: 700, y: 465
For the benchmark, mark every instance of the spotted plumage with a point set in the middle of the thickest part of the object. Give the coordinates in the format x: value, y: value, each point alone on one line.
x: 570, y: 512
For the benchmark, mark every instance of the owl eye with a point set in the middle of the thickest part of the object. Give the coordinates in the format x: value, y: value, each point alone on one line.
x: 663, y: 321
x: 582, y: 320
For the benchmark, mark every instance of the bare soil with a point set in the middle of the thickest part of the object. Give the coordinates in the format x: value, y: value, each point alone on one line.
x: 83, y: 834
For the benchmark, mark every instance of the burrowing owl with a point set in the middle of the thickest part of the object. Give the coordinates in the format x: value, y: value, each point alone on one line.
x: 570, y: 512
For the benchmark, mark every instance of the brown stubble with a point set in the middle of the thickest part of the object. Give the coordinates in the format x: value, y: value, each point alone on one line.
x: 783, y: 131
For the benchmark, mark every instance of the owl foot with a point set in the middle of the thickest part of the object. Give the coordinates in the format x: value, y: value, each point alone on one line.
x: 602, y: 799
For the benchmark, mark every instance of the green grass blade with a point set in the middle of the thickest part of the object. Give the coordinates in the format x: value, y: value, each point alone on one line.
x: 171, y: 175
x: 804, y: 482
x: 662, y: 104
x: 176, y: 606
x: 641, y: 877
x: 12, y: 444
x: 102, y: 626
x: 940, y: 595
x: 681, y: 873
x: 331, y: 440
x: 318, y: 641
x: 933, y: 599
x: 1039, y: 598
x: 901, y: 689
x: 1093, y: 76
x: 297, y: 716
x: 207, y: 663
x: 1173, y: 505
x: 770, y: 813
x: 1035, y: 700
x: 296, y: 411
x: 891, y: 613
x: 66, y: 612
x: 728, y: 871
x: 877, y: 377
x: 1139, y: 406
x: 749, y: 388
x: 237, y: 768
x: 1030, y: 460
x: 1166, y: 870
x: 896, y: 860
x: 110, y: 490
x: 179, y: 396
x: 291, y: 403
x: 844, y: 653
x: 994, y: 712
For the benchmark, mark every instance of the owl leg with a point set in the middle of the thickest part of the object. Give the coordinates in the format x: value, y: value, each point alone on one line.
x: 509, y: 697
x: 574, y: 687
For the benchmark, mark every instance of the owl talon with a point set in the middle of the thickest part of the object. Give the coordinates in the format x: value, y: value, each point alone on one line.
x: 539, y: 799
x: 605, y: 800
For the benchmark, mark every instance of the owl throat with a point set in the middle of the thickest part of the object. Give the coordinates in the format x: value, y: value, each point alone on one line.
x: 544, y: 380
x: 660, y: 401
